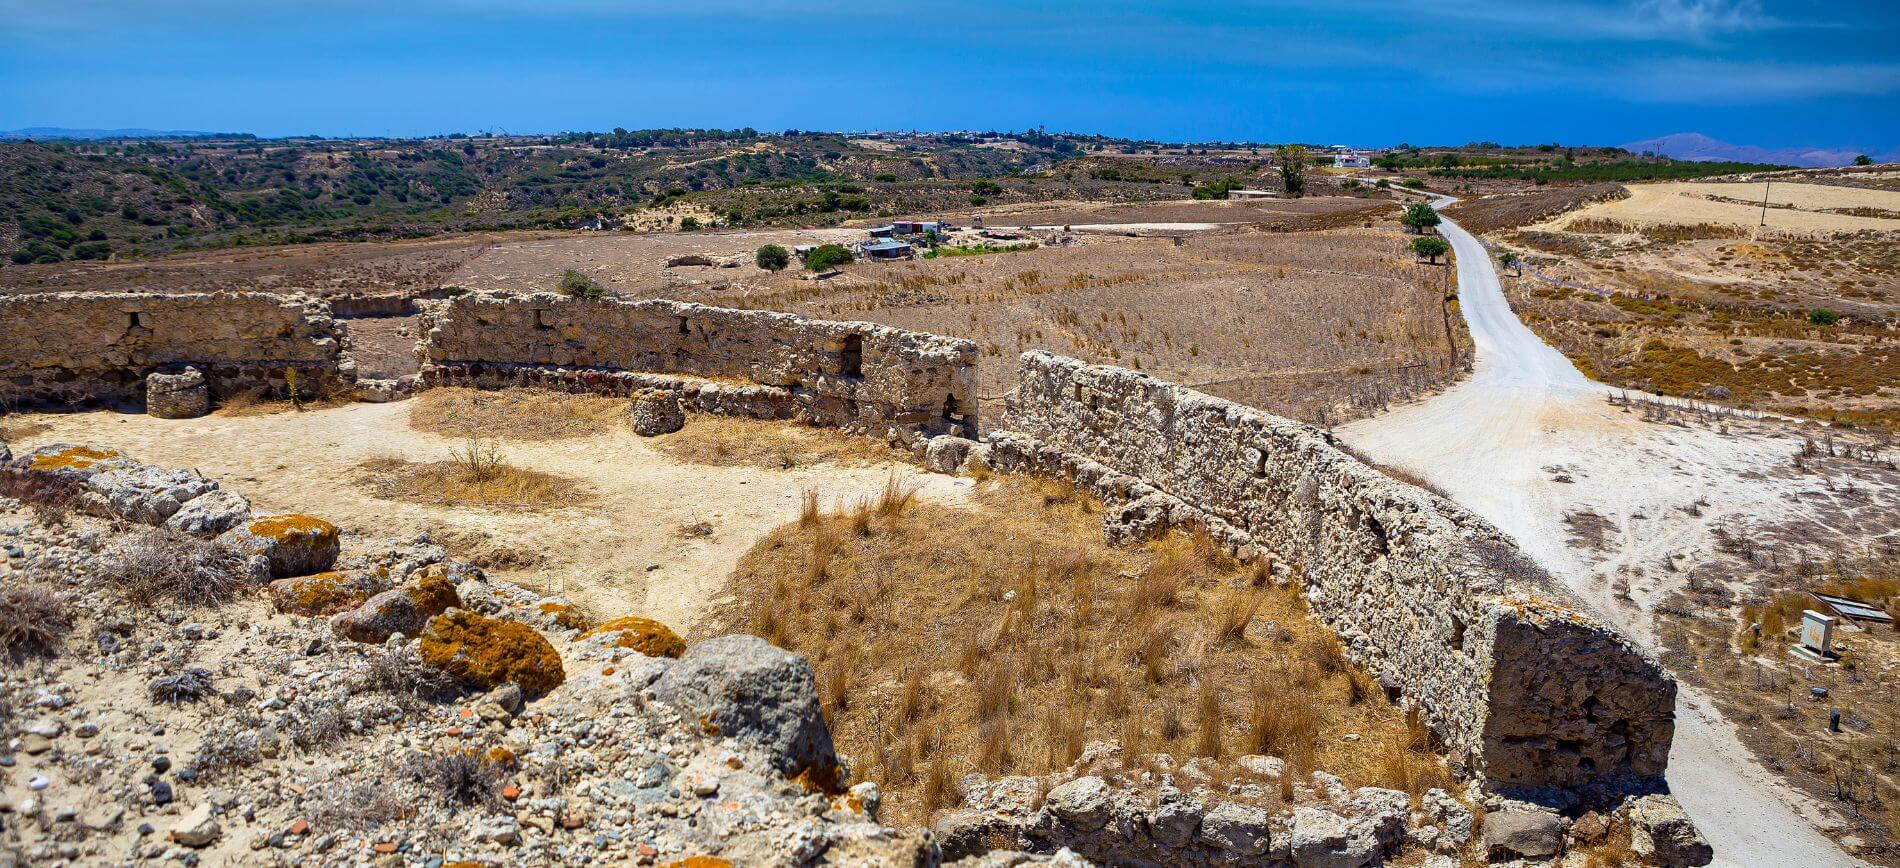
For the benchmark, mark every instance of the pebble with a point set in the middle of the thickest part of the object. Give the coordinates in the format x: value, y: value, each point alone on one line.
x: 38, y: 783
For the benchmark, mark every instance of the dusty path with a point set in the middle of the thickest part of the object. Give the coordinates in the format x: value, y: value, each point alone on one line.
x: 1528, y: 440
x: 622, y: 553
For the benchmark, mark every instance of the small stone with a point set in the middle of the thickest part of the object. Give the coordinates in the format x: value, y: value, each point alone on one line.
x: 34, y: 744
x: 1081, y: 804
x: 197, y: 829
x: 1524, y: 833
x: 161, y: 764
x: 38, y: 783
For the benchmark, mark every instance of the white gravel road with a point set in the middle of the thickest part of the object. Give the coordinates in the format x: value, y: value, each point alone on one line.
x: 1528, y: 439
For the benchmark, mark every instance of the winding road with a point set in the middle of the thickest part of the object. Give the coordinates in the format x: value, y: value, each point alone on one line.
x: 1528, y: 440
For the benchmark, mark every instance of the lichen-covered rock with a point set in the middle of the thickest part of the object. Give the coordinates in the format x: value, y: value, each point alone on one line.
x: 211, y: 513
x: 655, y: 412
x: 644, y: 635
x: 325, y: 593
x: 1176, y: 818
x: 758, y: 695
x: 404, y: 610
x: 297, y: 545
x: 146, y: 494
x: 484, y: 653
x: 1662, y: 834
x: 180, y: 395
x: 71, y: 461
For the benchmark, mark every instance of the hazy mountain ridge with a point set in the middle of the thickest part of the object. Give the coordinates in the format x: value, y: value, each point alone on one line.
x: 1701, y: 148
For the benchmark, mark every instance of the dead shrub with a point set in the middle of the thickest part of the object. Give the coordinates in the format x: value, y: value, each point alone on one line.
x: 1208, y: 721
x: 401, y: 672
x: 1283, y: 725
x: 356, y: 806
x: 34, y: 619
x: 156, y: 565
x: 456, y: 779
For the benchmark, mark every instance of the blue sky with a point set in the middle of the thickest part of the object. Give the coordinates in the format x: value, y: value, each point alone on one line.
x: 1368, y: 72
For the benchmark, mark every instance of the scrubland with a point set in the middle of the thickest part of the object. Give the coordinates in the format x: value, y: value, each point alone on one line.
x: 1003, y: 636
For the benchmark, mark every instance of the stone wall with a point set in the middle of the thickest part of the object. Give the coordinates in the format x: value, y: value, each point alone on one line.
x: 1434, y: 600
x: 859, y: 376
x: 67, y: 347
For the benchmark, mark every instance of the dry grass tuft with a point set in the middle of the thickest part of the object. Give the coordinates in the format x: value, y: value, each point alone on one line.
x: 1003, y: 639
x: 33, y: 619
x: 514, y: 414
x: 476, y: 474
x: 726, y: 441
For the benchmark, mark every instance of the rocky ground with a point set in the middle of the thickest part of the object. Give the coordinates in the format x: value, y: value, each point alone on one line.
x: 189, y: 681
x: 207, y: 721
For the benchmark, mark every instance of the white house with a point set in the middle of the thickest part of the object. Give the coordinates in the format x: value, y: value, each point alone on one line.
x: 1351, y: 161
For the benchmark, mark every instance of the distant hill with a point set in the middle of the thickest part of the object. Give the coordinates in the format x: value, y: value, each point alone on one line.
x: 68, y: 133
x: 1700, y: 148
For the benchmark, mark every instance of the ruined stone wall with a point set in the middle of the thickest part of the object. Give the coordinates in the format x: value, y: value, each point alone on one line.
x: 855, y: 375
x: 1434, y: 600
x: 66, y: 347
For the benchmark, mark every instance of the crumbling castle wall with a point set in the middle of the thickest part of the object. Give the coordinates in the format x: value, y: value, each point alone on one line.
x: 1434, y: 600
x: 70, y: 346
x: 854, y: 375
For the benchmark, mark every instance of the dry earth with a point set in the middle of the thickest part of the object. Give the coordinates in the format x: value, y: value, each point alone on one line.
x: 623, y: 553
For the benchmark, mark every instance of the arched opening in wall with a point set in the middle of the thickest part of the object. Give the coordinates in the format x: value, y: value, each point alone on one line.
x: 683, y: 328
x: 538, y: 321
x: 851, y: 358
x: 1457, y: 633
x: 1260, y: 462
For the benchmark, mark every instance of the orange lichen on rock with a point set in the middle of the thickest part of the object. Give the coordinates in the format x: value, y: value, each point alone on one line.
x: 644, y: 635
x: 485, y: 653
x: 566, y: 616
x: 72, y: 458
x: 321, y: 594
x: 699, y: 862
x: 292, y: 528
x: 433, y: 593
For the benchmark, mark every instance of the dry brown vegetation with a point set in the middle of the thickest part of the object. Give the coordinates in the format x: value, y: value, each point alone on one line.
x: 1002, y: 640
x: 476, y: 474
x: 730, y: 441
x: 513, y: 414
x: 1711, y: 309
x: 1511, y: 210
x: 1317, y: 325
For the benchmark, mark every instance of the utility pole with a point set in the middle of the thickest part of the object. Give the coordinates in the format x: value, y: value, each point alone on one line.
x: 1764, y: 200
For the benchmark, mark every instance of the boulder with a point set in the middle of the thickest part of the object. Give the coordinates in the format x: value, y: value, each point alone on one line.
x: 1382, y: 811
x: 326, y: 593
x: 1453, y: 819
x: 406, y: 610
x: 655, y: 412
x: 211, y: 513
x: 485, y: 653
x: 970, y: 832
x: 946, y: 454
x: 644, y: 635
x: 180, y: 395
x: 1176, y: 820
x: 1322, y: 839
x: 1520, y: 832
x: 761, y: 696
x: 71, y: 462
x: 146, y: 494
x: 296, y: 545
x: 1238, y: 829
x: 1662, y: 833
x: 1083, y: 804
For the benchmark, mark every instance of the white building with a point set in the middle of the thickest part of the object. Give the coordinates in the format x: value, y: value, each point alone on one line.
x: 1351, y: 161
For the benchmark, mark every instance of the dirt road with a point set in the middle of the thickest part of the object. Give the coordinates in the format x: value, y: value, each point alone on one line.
x: 1527, y: 441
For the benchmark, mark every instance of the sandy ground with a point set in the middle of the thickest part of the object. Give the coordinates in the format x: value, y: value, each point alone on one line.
x: 1528, y: 440
x: 621, y: 553
x: 1792, y: 207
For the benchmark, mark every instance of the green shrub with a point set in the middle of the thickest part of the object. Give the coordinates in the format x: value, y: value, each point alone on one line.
x: 826, y: 256
x: 580, y: 285
x: 1823, y: 317
x: 885, y: 177
x: 772, y: 257
x: 1430, y: 246
x: 689, y: 224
